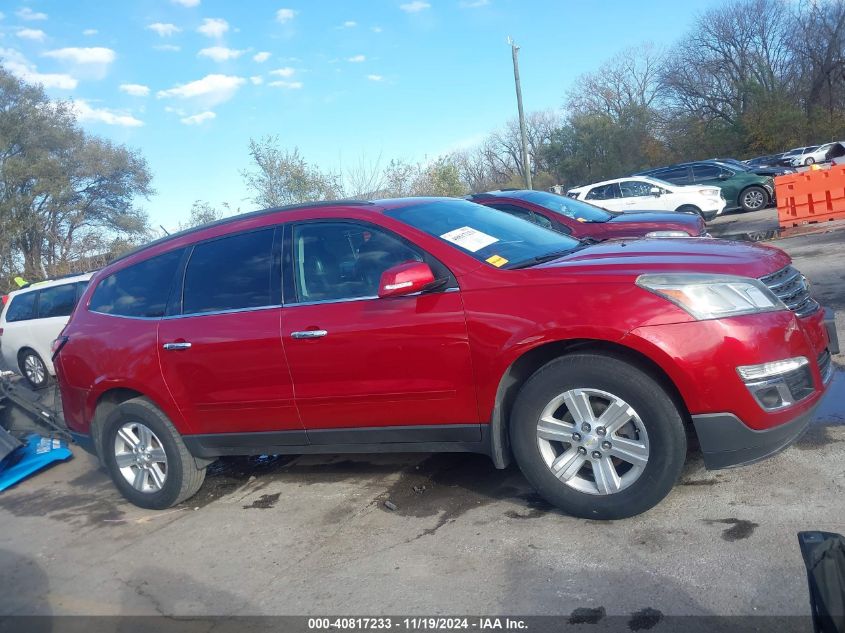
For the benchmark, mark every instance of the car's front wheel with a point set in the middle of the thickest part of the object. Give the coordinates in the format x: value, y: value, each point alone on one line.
x: 598, y: 437
x: 753, y: 198
x: 146, y: 457
x: 33, y: 369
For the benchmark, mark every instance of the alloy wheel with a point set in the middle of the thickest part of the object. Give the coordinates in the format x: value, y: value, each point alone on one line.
x: 34, y: 369
x: 754, y: 199
x: 140, y: 457
x: 593, y: 441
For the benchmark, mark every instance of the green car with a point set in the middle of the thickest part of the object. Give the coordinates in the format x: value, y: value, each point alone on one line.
x: 741, y: 189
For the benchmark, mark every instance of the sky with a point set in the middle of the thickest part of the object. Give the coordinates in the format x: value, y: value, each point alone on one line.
x: 189, y: 82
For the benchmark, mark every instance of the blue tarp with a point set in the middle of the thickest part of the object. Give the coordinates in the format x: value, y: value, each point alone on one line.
x: 38, y: 452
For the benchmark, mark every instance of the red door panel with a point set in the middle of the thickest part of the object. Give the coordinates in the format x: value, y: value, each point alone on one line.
x: 234, y: 376
x: 382, y: 362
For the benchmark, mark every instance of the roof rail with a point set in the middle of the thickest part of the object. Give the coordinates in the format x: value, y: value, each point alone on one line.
x: 241, y: 216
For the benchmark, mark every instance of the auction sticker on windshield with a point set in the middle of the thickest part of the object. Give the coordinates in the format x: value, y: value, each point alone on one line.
x: 468, y: 238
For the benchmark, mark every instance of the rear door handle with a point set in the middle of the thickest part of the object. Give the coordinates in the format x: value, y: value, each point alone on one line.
x: 309, y: 334
x: 176, y: 346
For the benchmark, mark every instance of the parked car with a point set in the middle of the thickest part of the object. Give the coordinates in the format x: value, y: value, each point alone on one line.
x: 638, y: 193
x: 771, y: 160
x: 813, y: 154
x: 31, y: 320
x: 741, y: 189
x: 436, y: 324
x: 583, y: 220
x: 760, y: 170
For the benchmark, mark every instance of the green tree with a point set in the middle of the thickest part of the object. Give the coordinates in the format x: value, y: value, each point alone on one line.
x: 279, y: 177
x: 64, y: 195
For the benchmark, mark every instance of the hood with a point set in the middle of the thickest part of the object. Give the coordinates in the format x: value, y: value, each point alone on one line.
x: 700, y: 255
x: 660, y: 221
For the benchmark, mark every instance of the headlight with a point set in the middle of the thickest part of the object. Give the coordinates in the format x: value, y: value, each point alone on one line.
x: 709, y: 192
x: 667, y: 234
x: 712, y: 296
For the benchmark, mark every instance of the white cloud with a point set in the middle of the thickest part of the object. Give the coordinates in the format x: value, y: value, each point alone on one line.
x: 375, y: 77
x: 90, y: 32
x: 31, y: 34
x: 85, y: 112
x: 376, y: 29
x: 356, y: 59
x: 208, y: 91
x: 473, y: 4
x: 285, y: 15
x: 136, y: 90
x: 95, y: 55
x: 261, y: 57
x: 163, y: 29
x: 415, y: 6
x: 213, y: 27
x: 167, y: 47
x: 187, y: 3
x: 257, y: 80
x: 350, y: 24
x: 22, y: 68
x: 198, y: 119
x: 220, y: 53
x: 290, y: 85
x: 287, y: 71
x: 28, y: 14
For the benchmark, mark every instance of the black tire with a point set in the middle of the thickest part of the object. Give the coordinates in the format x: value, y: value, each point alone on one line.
x: 183, y: 477
x: 809, y: 160
x: 667, y: 445
x: 33, y: 368
x: 689, y: 208
x: 753, y: 198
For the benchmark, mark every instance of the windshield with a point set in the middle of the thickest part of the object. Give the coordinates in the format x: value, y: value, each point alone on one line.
x: 571, y: 208
x: 497, y: 238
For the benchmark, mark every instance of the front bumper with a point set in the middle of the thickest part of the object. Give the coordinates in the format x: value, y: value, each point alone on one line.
x: 727, y: 442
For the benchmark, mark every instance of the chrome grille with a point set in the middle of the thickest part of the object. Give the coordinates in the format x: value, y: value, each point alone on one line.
x: 792, y: 288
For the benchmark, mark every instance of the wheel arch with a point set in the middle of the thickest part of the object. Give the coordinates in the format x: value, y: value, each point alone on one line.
x: 523, y: 367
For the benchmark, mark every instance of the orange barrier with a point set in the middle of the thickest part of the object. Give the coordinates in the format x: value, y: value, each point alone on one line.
x: 810, y: 197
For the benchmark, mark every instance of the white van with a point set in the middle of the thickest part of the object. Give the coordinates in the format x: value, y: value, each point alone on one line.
x: 32, y: 319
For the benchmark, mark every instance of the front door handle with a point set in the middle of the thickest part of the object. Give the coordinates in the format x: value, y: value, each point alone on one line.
x: 309, y: 334
x: 176, y: 346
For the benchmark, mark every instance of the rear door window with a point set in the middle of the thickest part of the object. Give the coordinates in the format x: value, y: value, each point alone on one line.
x: 604, y: 192
x: 57, y: 301
x: 677, y: 175
x: 230, y: 273
x: 22, y: 307
x: 140, y: 290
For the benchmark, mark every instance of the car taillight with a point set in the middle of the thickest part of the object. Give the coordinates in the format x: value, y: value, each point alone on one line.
x: 58, y: 344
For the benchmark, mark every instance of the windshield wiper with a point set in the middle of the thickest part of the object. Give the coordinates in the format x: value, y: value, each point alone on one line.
x: 533, y: 261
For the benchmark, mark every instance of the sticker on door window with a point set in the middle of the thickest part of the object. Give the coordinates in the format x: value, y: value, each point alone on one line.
x: 468, y: 238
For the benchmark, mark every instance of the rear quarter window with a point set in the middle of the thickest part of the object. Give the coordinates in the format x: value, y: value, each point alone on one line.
x: 140, y: 290
x: 21, y: 307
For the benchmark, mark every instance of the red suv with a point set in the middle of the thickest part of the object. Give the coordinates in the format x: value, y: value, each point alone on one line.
x: 584, y: 220
x: 440, y: 325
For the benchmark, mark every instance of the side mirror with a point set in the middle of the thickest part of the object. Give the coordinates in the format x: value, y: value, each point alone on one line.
x: 655, y: 191
x: 405, y: 279
x: 724, y: 176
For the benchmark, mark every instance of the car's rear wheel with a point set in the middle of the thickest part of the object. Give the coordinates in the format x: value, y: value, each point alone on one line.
x: 753, y: 198
x: 146, y: 457
x: 598, y: 437
x: 809, y: 160
x: 33, y: 369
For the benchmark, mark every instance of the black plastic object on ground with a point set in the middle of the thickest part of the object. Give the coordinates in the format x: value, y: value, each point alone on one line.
x: 824, y: 557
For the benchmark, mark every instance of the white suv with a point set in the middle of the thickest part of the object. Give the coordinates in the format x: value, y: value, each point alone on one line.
x: 644, y: 193
x: 32, y: 319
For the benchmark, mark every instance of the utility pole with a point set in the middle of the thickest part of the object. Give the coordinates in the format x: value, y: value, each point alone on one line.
x: 525, y: 164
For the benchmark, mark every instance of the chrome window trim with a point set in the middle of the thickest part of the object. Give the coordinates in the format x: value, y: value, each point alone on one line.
x: 367, y: 298
x: 183, y: 316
